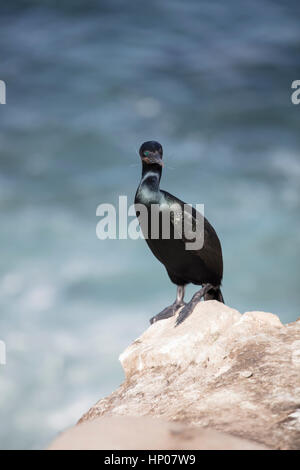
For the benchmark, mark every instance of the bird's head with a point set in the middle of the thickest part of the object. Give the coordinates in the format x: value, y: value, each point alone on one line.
x: 151, y: 153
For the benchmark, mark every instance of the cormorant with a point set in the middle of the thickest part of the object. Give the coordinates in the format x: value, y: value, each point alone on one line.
x: 202, y: 266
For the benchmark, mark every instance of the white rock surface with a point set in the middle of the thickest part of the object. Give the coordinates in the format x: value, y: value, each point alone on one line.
x: 239, y: 374
x: 146, y: 433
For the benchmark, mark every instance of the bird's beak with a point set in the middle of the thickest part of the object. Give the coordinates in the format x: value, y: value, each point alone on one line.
x: 154, y: 159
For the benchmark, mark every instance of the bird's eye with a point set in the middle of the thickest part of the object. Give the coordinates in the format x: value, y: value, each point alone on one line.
x: 146, y: 153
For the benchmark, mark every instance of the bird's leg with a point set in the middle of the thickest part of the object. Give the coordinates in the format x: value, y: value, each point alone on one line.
x: 180, y: 296
x: 172, y: 309
x: 188, y: 308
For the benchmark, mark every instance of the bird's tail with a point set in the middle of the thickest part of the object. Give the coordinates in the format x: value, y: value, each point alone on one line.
x: 214, y: 294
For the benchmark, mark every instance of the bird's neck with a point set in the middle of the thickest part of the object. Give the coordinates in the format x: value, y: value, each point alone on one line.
x: 149, y: 186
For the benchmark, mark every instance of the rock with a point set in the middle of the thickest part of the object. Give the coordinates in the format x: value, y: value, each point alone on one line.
x: 145, y: 433
x: 232, y: 373
x: 246, y: 374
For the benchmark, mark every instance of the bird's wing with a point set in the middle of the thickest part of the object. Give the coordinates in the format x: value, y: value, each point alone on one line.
x: 196, y: 232
x: 187, y: 223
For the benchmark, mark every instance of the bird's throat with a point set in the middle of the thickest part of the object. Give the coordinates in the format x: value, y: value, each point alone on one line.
x: 149, y: 186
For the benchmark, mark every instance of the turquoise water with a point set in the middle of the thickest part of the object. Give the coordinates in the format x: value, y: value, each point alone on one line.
x: 85, y: 87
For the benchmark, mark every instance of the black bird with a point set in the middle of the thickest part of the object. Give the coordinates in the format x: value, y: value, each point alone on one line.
x: 203, y: 266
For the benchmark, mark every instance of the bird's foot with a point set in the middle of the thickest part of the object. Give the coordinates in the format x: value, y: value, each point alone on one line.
x: 167, y: 312
x: 188, y: 308
x: 185, y: 312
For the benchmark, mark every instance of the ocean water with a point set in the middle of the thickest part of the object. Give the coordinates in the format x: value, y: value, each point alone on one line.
x: 85, y: 87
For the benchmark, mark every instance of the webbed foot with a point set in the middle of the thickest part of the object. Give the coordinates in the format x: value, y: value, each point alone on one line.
x: 167, y: 312
x: 188, y: 308
x: 185, y: 312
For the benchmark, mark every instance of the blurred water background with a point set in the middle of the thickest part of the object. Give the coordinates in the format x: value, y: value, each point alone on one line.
x: 87, y: 83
